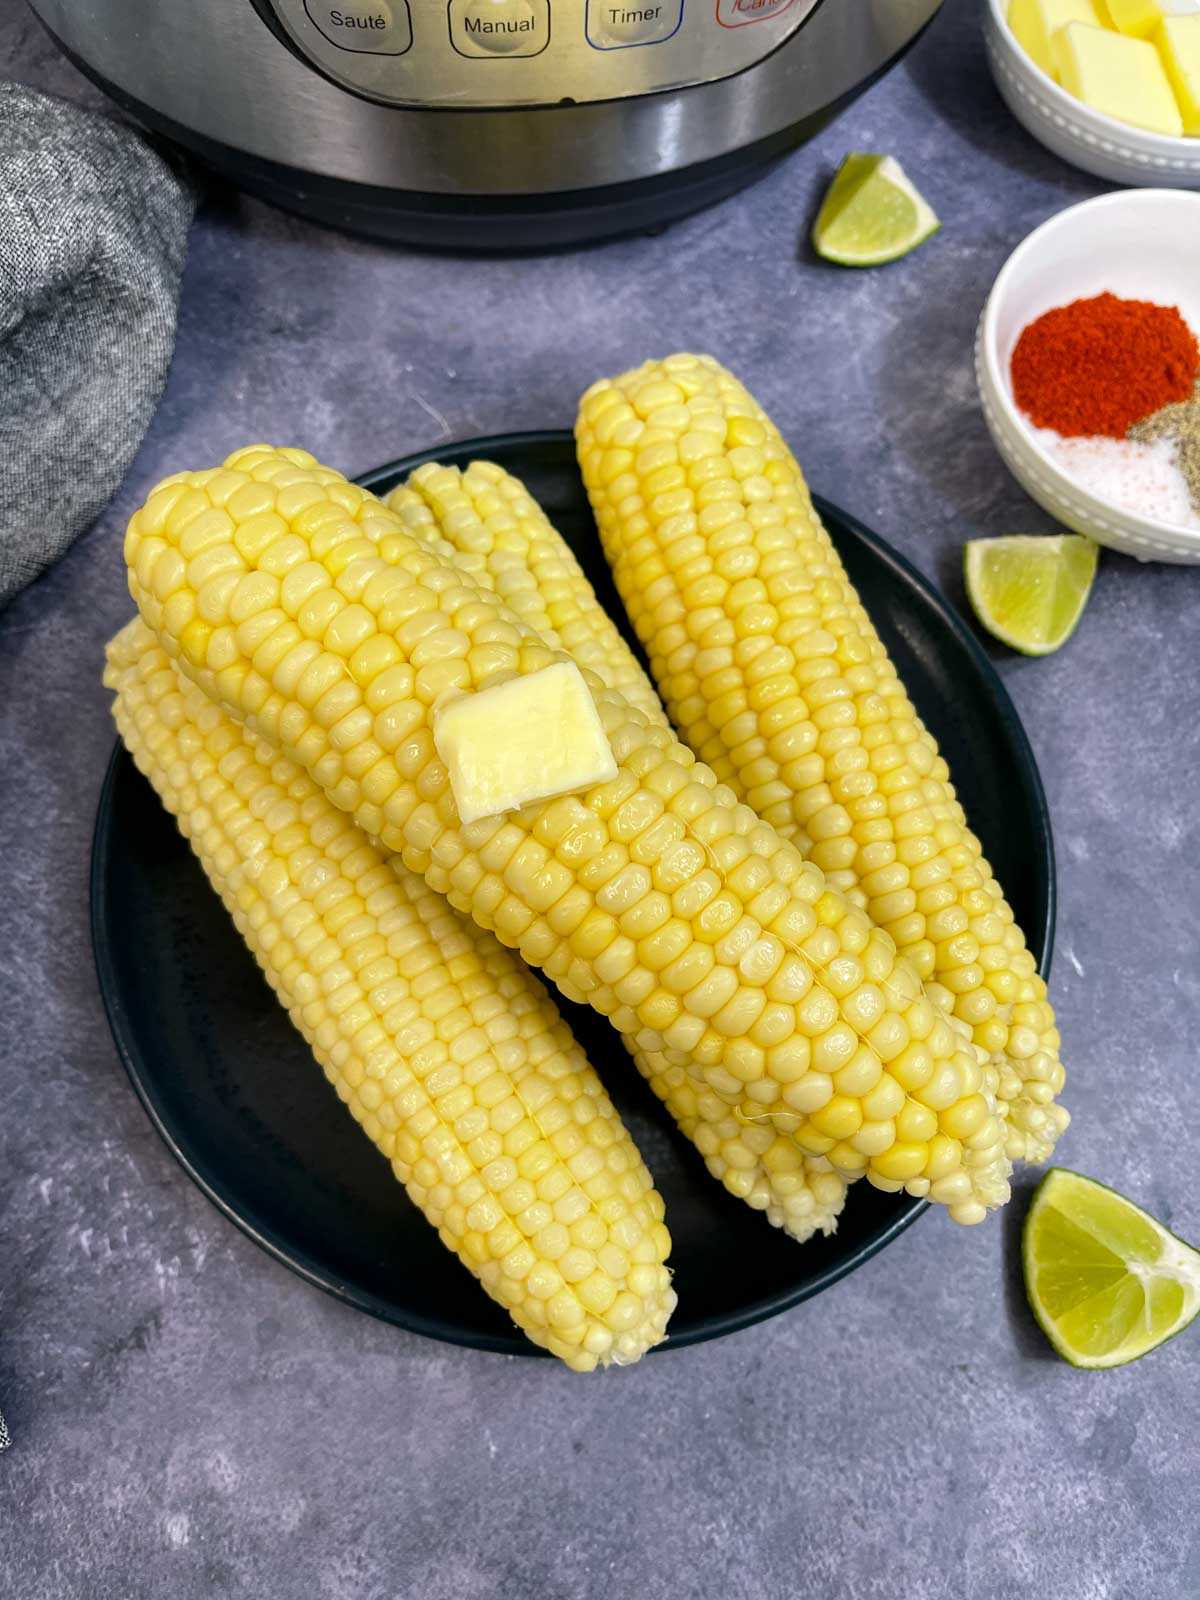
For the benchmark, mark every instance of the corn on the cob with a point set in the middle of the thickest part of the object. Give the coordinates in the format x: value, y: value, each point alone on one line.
x: 487, y: 519
x: 773, y: 673
x: 299, y: 603
x: 446, y: 1049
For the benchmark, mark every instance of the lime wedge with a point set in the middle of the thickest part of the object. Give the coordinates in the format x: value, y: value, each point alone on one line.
x: 871, y: 214
x: 1106, y: 1281
x: 1029, y: 592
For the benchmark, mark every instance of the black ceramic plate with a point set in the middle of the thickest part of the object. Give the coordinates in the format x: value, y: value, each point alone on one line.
x: 237, y: 1098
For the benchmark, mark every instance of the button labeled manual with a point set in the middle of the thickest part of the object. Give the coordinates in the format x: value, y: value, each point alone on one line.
x: 381, y: 28
x: 612, y: 25
x: 737, y: 13
x: 509, y: 28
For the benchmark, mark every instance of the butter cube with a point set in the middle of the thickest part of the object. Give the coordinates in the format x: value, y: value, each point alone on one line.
x: 1178, y: 42
x: 528, y: 739
x: 1120, y: 76
x: 1140, y: 18
x: 1035, y: 22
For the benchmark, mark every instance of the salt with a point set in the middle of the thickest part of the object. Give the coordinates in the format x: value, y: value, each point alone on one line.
x: 1144, y: 478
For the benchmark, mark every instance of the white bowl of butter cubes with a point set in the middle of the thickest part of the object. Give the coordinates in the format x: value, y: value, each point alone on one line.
x: 1112, y: 86
x: 1141, y: 498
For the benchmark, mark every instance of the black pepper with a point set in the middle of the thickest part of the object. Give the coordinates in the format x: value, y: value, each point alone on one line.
x: 1179, y: 422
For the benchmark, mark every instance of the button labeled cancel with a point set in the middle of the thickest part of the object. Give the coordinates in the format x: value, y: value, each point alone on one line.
x: 614, y: 25
x: 508, y: 28
x: 737, y: 13
x: 381, y: 28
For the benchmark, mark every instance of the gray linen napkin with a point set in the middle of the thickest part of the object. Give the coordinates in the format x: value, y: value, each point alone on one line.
x: 93, y: 230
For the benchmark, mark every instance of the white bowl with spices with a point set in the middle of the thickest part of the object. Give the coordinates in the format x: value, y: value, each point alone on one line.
x: 1076, y: 132
x: 1138, y: 244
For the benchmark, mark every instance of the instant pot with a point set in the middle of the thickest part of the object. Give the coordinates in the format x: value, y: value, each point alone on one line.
x: 486, y: 124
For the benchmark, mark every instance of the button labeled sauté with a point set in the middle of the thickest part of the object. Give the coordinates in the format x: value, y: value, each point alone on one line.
x: 509, y: 28
x: 618, y: 24
x: 378, y: 28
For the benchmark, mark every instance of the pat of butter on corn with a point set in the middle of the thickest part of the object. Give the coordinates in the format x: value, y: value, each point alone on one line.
x: 529, y: 739
x: 1118, y: 75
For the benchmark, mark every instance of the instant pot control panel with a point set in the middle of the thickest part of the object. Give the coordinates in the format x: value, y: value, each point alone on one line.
x: 483, y: 53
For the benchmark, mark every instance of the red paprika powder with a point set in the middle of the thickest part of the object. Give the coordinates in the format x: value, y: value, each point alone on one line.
x: 1098, y: 366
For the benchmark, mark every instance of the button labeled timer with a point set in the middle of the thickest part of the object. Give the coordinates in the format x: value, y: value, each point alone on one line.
x: 619, y: 24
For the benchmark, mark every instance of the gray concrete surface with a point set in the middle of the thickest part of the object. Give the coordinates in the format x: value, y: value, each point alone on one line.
x: 191, y: 1420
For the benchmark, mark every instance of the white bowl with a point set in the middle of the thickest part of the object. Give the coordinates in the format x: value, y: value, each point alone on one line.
x: 1084, y: 137
x: 1142, y: 244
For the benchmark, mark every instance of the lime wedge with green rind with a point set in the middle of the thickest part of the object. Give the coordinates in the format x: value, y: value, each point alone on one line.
x: 871, y: 214
x: 1029, y: 591
x: 1106, y: 1282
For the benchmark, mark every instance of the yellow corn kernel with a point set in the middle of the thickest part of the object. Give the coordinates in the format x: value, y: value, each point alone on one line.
x: 840, y: 1117
x: 901, y: 1162
x: 916, y: 1123
x: 965, y: 1118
